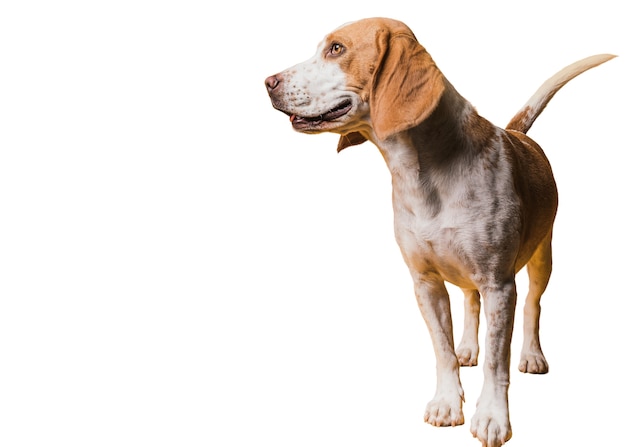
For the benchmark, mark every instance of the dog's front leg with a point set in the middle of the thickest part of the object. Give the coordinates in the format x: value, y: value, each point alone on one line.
x: 490, y: 423
x: 445, y: 409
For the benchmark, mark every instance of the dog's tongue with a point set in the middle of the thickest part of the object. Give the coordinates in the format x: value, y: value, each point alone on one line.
x: 302, y: 121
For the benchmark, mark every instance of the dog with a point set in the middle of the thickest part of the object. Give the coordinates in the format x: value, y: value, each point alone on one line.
x: 473, y: 203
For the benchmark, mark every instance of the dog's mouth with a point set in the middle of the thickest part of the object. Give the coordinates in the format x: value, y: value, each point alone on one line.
x: 308, y: 122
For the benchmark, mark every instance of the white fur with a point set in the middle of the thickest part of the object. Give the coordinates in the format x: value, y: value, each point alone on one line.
x: 315, y: 86
x: 472, y: 204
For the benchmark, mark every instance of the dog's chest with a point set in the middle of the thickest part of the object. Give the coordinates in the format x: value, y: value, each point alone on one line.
x: 450, y: 229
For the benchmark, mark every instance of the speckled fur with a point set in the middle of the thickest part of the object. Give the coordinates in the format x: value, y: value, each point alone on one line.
x: 473, y: 203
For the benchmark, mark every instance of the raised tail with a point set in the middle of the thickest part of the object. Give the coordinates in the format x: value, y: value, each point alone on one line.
x: 527, y: 115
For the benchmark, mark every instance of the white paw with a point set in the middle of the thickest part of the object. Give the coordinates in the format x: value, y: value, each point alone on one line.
x: 533, y: 362
x: 445, y: 410
x: 491, y: 427
x: 467, y: 353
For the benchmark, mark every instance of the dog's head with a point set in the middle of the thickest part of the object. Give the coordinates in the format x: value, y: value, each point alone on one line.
x: 370, y: 76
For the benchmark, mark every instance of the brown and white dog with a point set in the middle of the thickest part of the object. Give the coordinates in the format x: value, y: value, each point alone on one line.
x: 473, y: 203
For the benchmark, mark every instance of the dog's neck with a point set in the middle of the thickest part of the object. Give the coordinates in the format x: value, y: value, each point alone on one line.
x: 430, y: 163
x: 453, y: 133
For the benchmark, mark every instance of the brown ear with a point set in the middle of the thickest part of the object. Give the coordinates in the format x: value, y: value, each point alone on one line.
x: 351, y: 139
x: 406, y: 87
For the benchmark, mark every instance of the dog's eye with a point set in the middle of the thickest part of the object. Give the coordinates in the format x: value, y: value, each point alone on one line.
x: 335, y: 49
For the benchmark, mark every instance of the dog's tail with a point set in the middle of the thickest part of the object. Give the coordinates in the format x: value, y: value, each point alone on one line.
x: 527, y: 115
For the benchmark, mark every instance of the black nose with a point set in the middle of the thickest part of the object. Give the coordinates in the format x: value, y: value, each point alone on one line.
x: 272, y: 83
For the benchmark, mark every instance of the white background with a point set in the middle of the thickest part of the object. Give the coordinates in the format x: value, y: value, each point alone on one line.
x: 179, y: 268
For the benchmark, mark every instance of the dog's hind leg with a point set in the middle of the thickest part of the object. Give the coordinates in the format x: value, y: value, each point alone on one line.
x: 539, y: 269
x: 467, y: 350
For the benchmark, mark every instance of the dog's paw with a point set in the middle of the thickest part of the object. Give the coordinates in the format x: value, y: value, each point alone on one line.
x: 533, y: 363
x: 491, y: 427
x: 467, y: 354
x: 445, y: 411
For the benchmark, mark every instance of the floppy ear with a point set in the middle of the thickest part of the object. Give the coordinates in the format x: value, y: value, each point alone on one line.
x: 351, y: 139
x: 406, y: 87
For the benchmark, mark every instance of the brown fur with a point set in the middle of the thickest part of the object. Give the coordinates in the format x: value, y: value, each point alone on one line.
x: 473, y: 203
